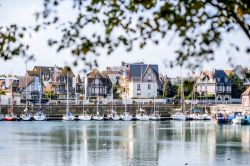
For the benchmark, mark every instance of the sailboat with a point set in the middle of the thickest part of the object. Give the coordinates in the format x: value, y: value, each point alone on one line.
x: 68, y: 116
x: 97, y: 116
x: 141, y: 114
x: 180, y: 115
x: 1, y: 115
x: 84, y: 116
x: 126, y: 116
x: 40, y: 116
x: 10, y: 116
x: 26, y: 116
x: 113, y: 115
x: 155, y: 115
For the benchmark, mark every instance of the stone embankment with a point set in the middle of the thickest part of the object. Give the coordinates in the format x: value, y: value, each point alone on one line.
x: 58, y: 110
x: 228, y: 108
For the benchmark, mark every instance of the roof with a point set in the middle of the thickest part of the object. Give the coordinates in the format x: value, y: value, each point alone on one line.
x: 228, y: 72
x: 137, y: 70
x: 246, y: 92
x: 96, y: 74
x: 215, y: 74
x: 46, y: 70
x: 22, y: 81
x: 78, y: 79
x: 66, y: 71
x: 1, y: 82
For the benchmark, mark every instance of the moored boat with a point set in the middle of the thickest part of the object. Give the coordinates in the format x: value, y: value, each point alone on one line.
x: 179, y: 116
x: 238, y: 118
x: 84, y: 117
x: 126, y: 116
x: 68, y: 117
x: 10, y: 117
x: 221, y: 118
x: 40, y: 116
x: 26, y: 116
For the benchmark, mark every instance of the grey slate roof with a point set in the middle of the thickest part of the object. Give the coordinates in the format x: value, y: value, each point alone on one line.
x: 136, y: 70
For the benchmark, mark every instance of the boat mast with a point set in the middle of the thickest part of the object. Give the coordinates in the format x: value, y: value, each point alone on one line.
x: 83, y: 94
x: 125, y: 91
x: 154, y: 104
x: 67, y: 108
x: 97, y: 98
x: 40, y: 94
x: 26, y: 87
x: 112, y: 91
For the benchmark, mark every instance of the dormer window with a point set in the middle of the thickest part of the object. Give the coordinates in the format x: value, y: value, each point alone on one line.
x: 149, y: 78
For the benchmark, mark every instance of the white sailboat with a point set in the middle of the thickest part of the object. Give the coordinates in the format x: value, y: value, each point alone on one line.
x: 10, y: 116
x: 84, y: 116
x: 97, y: 116
x: 26, y: 116
x: 113, y: 115
x: 126, y: 116
x: 40, y: 116
x: 155, y: 115
x: 1, y: 115
x: 141, y: 114
x: 180, y: 115
x: 68, y: 116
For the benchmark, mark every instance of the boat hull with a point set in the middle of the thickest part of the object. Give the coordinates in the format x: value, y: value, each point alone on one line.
x: 115, y: 118
x: 97, y: 118
x: 26, y: 117
x: 222, y: 121
x: 239, y: 120
x: 84, y: 117
x: 1, y: 117
x: 39, y: 117
x: 10, y: 118
x: 68, y: 118
x: 179, y: 117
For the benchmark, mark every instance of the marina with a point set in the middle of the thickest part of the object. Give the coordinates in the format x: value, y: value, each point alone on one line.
x: 147, y: 143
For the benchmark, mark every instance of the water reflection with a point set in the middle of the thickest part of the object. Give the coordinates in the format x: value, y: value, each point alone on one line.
x: 123, y: 143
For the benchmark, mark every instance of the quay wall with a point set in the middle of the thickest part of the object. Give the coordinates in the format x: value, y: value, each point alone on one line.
x: 229, y: 108
x: 58, y: 110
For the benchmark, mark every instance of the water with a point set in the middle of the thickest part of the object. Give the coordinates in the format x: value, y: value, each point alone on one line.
x: 123, y: 143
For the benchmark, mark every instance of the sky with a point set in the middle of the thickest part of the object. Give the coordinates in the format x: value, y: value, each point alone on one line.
x: 22, y: 12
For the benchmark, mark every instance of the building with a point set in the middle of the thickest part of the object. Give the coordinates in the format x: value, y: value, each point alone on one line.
x: 97, y: 85
x: 59, y: 83
x: 114, y: 74
x: 214, y: 84
x: 142, y: 80
x: 245, y: 98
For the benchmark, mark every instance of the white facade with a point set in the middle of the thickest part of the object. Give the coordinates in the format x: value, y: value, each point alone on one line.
x: 142, y: 89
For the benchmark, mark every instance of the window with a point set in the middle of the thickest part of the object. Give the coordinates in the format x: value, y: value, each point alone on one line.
x: 149, y: 77
x: 96, y: 81
x: 138, y: 87
x: 149, y: 86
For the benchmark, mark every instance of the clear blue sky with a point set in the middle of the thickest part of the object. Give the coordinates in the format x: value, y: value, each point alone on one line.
x: 22, y: 12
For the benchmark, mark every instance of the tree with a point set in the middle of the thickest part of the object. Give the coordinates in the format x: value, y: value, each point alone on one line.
x: 237, y: 86
x: 169, y: 89
x: 199, y: 24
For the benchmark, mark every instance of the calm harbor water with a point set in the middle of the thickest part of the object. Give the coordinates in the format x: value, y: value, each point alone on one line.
x: 123, y: 143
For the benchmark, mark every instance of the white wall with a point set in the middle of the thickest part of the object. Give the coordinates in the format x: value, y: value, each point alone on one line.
x: 144, y: 92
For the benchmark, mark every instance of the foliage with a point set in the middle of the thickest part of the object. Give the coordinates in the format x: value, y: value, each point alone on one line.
x: 199, y: 24
x: 188, y: 86
x: 237, y: 86
x: 169, y: 89
x: 2, y: 92
x: 49, y: 94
